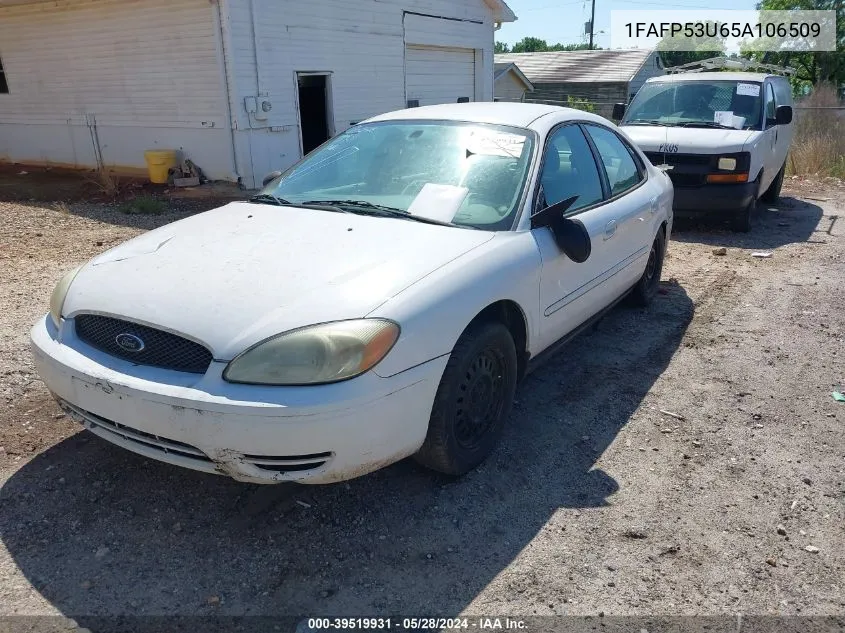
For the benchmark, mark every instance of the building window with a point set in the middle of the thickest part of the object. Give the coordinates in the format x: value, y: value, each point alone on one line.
x: 4, y: 87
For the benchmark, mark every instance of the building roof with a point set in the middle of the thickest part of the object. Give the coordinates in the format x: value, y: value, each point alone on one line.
x: 501, y: 11
x: 579, y: 66
x: 500, y: 69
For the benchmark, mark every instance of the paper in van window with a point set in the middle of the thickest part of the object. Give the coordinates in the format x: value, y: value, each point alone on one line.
x: 748, y: 90
x: 728, y: 118
x: 438, y: 202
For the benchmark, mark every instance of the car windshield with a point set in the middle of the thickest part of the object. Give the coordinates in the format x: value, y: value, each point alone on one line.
x: 697, y: 103
x: 466, y: 174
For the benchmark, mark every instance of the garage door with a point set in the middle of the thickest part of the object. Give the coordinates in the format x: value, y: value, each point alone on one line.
x: 439, y: 75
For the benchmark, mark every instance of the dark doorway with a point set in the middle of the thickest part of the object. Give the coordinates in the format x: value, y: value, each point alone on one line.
x: 313, y: 110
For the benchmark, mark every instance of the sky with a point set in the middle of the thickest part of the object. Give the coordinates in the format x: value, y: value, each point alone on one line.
x: 563, y: 20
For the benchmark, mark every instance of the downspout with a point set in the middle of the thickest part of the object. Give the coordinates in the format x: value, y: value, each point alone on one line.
x: 225, y: 37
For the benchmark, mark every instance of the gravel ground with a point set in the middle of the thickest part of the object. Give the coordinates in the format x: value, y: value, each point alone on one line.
x: 685, y: 459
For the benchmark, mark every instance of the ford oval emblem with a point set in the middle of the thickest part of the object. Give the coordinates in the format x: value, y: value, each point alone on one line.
x: 129, y: 342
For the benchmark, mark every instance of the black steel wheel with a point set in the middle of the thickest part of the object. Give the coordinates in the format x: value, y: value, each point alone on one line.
x: 472, y: 402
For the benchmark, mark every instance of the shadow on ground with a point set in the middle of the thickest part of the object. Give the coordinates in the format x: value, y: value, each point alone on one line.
x: 791, y: 221
x: 100, y: 531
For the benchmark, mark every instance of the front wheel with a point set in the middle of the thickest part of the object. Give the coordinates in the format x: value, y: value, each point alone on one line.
x: 646, y: 288
x: 472, y: 402
x: 773, y: 192
x: 741, y: 222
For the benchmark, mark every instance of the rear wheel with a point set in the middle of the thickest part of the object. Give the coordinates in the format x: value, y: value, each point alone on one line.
x: 472, y: 402
x: 773, y: 192
x: 646, y: 287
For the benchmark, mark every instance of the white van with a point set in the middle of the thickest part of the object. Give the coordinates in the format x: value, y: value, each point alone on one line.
x: 724, y: 135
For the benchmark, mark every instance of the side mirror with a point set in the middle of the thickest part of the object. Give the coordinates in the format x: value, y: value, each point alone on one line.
x: 619, y: 111
x: 570, y: 234
x: 271, y: 177
x: 783, y: 115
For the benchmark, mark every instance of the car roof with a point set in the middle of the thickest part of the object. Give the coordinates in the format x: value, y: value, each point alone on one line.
x: 707, y: 76
x: 496, y: 113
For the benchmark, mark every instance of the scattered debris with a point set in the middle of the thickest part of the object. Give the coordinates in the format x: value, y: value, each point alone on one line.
x: 761, y: 255
x: 303, y: 504
x: 838, y: 395
x: 635, y: 532
x: 772, y: 562
x: 807, y: 481
x: 23, y: 173
x: 102, y: 552
x: 85, y: 584
x: 720, y: 251
x: 213, y: 600
x: 677, y: 416
x: 812, y: 549
x: 817, y: 199
x: 781, y: 530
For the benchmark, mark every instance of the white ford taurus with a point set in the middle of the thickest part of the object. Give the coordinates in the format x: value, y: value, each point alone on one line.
x: 380, y: 299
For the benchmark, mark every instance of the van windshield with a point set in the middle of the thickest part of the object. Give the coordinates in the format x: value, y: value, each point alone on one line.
x: 697, y: 103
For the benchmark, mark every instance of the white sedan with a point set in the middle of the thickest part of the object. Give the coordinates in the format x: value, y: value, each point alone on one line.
x: 380, y: 299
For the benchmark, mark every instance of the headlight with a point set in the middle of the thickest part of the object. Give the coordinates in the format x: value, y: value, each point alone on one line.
x: 315, y: 355
x: 727, y: 164
x: 57, y: 299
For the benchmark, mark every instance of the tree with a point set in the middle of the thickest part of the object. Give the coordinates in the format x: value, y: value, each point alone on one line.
x: 573, y: 47
x: 676, y: 51
x: 811, y: 67
x: 501, y: 47
x: 530, y: 45
x: 536, y: 45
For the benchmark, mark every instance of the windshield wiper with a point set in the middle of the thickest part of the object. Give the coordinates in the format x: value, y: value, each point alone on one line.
x: 269, y: 198
x: 706, y: 124
x: 647, y: 122
x: 362, y: 207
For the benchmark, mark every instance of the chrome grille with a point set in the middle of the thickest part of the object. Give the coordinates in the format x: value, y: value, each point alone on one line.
x: 158, y: 349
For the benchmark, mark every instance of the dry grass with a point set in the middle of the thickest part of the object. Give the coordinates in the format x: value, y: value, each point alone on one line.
x: 819, y: 144
x: 107, y: 183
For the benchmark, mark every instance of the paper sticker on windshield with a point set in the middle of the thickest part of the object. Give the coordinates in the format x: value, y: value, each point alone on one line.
x: 438, y: 202
x: 496, y: 144
x: 748, y: 90
x: 728, y: 118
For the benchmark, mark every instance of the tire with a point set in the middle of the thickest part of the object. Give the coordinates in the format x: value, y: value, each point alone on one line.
x: 772, y: 194
x: 646, y: 288
x: 473, y: 401
x: 741, y: 222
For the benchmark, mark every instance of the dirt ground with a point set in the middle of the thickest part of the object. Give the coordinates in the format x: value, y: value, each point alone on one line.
x: 685, y: 459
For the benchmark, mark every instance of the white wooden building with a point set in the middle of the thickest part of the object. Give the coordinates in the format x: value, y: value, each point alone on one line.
x: 242, y: 87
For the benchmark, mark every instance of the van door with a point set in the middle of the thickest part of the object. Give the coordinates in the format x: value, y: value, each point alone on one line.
x: 783, y: 96
x: 769, y: 144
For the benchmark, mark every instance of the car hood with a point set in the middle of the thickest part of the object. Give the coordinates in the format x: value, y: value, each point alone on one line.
x: 689, y: 140
x: 244, y: 272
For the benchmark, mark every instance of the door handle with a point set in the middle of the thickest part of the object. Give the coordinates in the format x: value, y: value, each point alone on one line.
x: 610, y: 229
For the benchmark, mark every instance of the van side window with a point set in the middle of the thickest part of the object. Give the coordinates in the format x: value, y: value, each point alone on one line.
x: 770, y: 105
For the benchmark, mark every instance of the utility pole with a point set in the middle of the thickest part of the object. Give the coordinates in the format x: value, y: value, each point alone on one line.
x: 592, y: 24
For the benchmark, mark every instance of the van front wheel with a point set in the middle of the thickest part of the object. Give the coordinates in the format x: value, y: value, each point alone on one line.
x: 773, y: 192
x: 741, y: 222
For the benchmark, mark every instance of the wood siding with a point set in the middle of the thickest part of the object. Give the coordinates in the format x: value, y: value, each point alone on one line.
x: 143, y: 74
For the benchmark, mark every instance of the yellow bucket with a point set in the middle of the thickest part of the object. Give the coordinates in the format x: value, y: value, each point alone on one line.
x: 159, y: 162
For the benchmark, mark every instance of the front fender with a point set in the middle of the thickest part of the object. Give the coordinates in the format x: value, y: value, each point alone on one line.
x: 434, y: 312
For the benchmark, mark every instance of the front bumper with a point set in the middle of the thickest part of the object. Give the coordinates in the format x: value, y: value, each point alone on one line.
x: 318, y: 434
x: 714, y: 198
